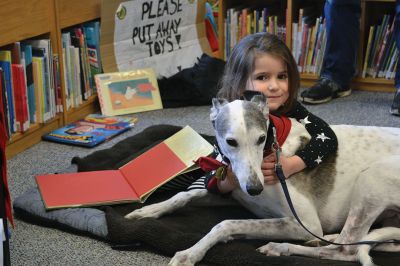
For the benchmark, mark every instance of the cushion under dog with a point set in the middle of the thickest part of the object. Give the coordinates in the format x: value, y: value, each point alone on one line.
x: 184, y: 227
x: 30, y: 207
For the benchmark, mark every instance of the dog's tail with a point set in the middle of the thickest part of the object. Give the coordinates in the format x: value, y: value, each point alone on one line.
x: 381, y: 234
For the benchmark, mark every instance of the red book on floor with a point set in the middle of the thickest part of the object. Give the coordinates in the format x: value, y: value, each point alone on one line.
x: 132, y: 182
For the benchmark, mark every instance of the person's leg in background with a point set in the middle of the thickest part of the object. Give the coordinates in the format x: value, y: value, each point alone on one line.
x: 342, y: 18
x: 395, y: 108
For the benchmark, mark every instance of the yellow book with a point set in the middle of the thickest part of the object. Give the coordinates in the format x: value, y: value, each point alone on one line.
x: 248, y: 24
x: 37, y: 69
x: 255, y: 22
x: 367, y: 51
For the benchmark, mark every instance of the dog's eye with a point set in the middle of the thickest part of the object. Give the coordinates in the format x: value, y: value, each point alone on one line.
x: 232, y: 142
x: 261, y: 140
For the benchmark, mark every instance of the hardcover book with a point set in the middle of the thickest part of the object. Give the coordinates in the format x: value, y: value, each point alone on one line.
x: 128, y: 92
x: 92, y: 130
x: 20, y: 97
x: 5, y: 65
x: 133, y: 182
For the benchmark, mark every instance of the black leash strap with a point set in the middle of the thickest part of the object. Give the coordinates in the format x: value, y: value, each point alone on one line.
x: 282, y: 179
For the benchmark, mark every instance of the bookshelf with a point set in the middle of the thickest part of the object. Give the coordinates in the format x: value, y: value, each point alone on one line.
x: 70, y: 13
x: 45, y: 19
x: 369, y: 16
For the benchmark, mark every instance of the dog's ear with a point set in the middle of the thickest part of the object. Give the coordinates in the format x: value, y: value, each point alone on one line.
x: 261, y: 101
x: 217, y: 103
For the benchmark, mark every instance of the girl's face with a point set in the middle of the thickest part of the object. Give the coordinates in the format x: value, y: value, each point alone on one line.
x: 271, y: 78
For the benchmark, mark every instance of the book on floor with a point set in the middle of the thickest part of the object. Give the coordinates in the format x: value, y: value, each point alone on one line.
x: 91, y: 130
x: 128, y: 92
x: 133, y: 182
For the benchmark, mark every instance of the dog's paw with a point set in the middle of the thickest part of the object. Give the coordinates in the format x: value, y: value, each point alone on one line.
x: 275, y: 249
x: 182, y: 258
x: 153, y: 211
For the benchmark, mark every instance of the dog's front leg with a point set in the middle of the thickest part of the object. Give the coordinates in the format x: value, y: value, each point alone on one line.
x: 158, y: 209
x: 272, y: 229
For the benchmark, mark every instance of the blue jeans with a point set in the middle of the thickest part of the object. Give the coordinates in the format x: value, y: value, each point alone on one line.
x: 342, y: 18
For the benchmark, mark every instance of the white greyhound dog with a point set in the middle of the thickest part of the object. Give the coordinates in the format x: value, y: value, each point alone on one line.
x: 348, y: 193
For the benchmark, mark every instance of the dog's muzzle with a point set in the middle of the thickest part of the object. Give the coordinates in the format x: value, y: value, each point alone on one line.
x: 254, y: 187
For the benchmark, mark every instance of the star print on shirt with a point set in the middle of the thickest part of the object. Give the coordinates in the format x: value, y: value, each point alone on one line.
x: 322, y: 137
x: 318, y: 160
x: 305, y: 121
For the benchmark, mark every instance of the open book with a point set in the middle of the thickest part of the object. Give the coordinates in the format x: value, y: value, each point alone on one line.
x: 134, y: 181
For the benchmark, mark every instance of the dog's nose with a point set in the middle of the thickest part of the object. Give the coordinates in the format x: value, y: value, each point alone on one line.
x: 254, y: 190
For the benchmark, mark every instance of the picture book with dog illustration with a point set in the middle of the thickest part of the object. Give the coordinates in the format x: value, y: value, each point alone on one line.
x: 92, y: 130
x: 128, y: 92
x: 133, y: 182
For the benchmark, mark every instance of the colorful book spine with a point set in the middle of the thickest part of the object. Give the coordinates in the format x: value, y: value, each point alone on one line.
x: 5, y: 64
x: 4, y: 103
x: 21, y: 99
x: 367, y: 52
x: 27, y: 53
x: 38, y: 80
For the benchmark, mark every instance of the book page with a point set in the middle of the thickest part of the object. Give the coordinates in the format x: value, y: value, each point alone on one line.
x: 165, y: 161
x: 188, y: 145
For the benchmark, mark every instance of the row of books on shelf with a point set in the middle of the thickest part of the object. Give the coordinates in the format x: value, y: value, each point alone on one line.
x: 81, y: 54
x: 309, y: 40
x: 29, y: 84
x: 241, y: 21
x: 381, y: 55
x: 308, y: 44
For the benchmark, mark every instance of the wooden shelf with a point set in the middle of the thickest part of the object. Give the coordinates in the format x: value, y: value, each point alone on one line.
x: 365, y: 84
x: 21, y: 20
x: 88, y: 107
x: 72, y: 12
x: 22, y: 141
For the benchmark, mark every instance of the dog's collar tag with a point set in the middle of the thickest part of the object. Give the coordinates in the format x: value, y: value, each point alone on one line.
x: 220, y: 173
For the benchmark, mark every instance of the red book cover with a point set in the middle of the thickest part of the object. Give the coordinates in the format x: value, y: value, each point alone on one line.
x: 84, y: 189
x: 149, y: 170
x: 134, y: 181
x: 21, y: 98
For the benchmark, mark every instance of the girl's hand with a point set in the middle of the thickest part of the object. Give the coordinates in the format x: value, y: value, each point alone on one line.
x: 229, y: 183
x: 290, y: 166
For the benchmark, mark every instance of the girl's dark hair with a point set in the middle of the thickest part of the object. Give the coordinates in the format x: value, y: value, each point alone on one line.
x: 240, y: 67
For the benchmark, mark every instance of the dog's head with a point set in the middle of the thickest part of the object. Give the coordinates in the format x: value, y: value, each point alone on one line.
x: 241, y: 132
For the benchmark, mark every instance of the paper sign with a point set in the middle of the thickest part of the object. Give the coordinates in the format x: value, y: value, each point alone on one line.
x: 166, y: 35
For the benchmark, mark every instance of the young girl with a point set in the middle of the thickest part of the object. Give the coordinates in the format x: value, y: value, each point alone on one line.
x: 263, y: 63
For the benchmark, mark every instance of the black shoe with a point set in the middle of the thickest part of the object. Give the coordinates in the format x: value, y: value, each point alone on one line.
x: 323, y: 91
x: 395, y: 108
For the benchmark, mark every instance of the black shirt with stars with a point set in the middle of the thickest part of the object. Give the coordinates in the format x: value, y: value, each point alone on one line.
x: 323, y: 140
